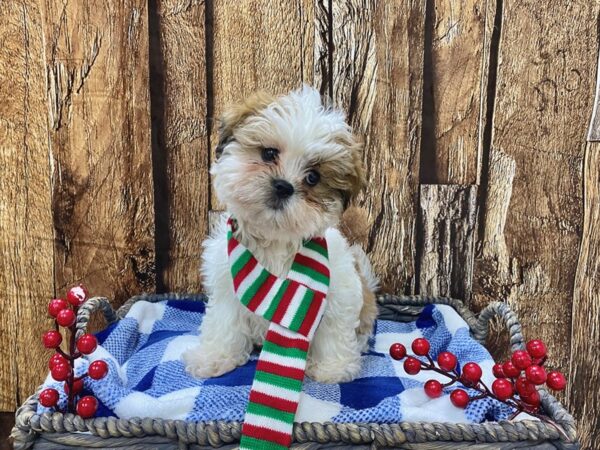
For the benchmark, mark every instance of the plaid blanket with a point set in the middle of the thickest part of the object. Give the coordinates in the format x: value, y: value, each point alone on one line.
x: 147, y: 377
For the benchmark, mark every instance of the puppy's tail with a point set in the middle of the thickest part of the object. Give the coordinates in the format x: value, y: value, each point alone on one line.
x: 354, y: 224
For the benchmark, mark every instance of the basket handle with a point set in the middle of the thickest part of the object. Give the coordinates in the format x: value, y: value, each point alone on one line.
x: 479, y: 324
x: 88, y: 308
x: 481, y: 327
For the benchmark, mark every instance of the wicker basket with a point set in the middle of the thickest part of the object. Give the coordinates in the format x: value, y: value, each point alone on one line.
x: 69, y: 431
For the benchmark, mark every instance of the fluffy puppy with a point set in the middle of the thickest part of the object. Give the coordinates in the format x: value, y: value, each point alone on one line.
x: 286, y: 168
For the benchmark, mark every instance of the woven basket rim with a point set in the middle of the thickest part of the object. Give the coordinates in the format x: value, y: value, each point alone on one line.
x: 28, y: 424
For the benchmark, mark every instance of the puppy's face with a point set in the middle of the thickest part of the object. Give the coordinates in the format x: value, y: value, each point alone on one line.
x: 286, y: 166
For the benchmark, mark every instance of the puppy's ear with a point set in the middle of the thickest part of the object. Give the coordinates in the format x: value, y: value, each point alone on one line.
x: 236, y: 114
x: 356, y: 179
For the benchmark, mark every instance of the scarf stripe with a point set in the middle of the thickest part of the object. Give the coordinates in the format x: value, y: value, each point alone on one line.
x: 315, y: 310
x: 267, y: 305
x: 263, y: 438
x: 286, y: 298
x: 276, y: 402
x: 294, y: 306
x: 315, y: 324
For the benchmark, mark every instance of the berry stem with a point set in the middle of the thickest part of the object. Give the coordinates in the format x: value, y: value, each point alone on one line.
x: 431, y: 366
x: 63, y: 354
x: 72, y: 353
x: 542, y: 361
x: 514, y: 415
x: 549, y: 421
x: 487, y: 390
x: 483, y: 390
x: 431, y: 363
x: 507, y: 387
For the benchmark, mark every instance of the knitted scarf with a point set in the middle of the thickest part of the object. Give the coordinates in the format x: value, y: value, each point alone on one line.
x: 294, y: 307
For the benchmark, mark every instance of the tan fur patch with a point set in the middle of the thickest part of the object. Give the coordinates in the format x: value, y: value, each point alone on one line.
x: 355, y: 224
x: 324, y: 193
x: 235, y: 114
x: 339, y: 176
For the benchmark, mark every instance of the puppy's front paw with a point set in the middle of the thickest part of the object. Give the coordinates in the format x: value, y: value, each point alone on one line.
x: 333, y: 372
x: 200, y: 364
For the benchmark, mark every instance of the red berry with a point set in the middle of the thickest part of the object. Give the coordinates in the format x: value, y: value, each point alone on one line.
x: 556, y: 381
x: 532, y: 399
x: 447, y: 361
x: 510, y: 370
x: 77, y: 387
x: 56, y: 359
x: 536, y: 374
x: 459, y: 398
x: 521, y: 359
x: 433, y: 388
x: 57, y: 305
x: 536, y: 348
x: 61, y: 371
x: 420, y: 346
x: 471, y: 373
x: 77, y: 295
x: 97, y: 370
x: 397, y: 351
x: 87, y: 406
x: 48, y: 397
x: 412, y: 366
x: 65, y: 318
x: 524, y: 387
x: 87, y: 343
x: 51, y: 339
x: 502, y: 388
x: 498, y: 371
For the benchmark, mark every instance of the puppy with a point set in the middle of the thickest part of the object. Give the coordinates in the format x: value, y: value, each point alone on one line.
x: 286, y: 168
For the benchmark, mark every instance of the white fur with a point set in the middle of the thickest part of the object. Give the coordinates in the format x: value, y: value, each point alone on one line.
x: 306, y: 133
x: 229, y: 331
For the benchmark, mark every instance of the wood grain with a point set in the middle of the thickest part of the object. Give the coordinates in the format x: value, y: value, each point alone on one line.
x: 584, y: 368
x: 180, y: 149
x: 458, y: 60
x: 26, y: 248
x: 492, y: 274
x: 257, y: 47
x: 98, y: 103
x: 377, y: 77
x: 447, y: 228
x: 543, y: 100
x: 594, y: 130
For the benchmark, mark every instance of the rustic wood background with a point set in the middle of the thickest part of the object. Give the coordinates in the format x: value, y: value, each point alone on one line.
x: 474, y: 112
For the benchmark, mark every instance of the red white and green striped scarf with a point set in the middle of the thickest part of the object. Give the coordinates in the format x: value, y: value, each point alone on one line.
x: 294, y: 306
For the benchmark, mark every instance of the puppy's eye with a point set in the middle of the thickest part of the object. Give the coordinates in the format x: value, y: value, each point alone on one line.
x: 269, y: 154
x: 312, y: 177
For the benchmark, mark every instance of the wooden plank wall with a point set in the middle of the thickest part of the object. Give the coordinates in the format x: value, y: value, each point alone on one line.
x: 473, y: 113
x: 26, y: 231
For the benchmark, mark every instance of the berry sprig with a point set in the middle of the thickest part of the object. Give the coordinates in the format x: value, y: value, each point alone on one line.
x: 62, y: 364
x: 516, y: 380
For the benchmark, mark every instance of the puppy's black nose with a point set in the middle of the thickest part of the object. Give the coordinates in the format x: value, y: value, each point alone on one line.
x: 283, y: 189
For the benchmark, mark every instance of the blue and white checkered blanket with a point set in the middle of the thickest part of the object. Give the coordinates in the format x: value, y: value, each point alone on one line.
x: 147, y: 377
